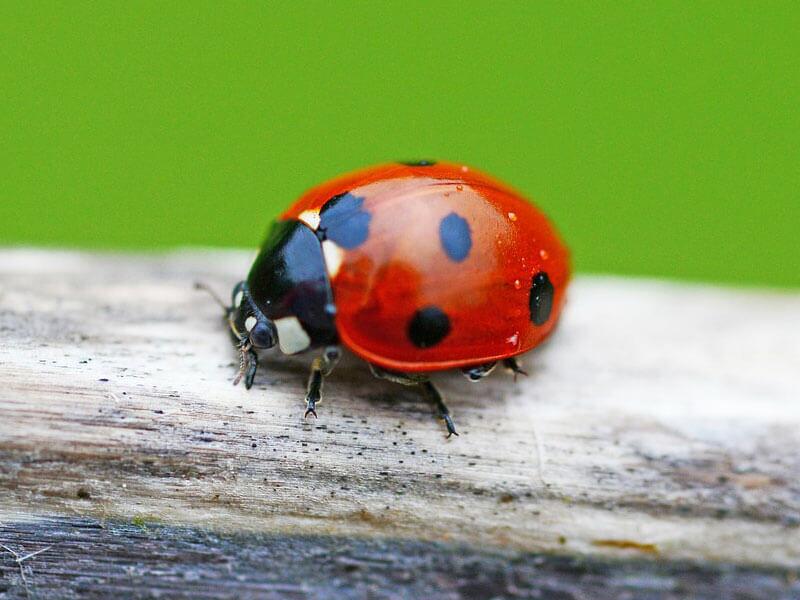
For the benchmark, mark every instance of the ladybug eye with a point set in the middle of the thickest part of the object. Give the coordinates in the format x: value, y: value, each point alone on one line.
x: 262, y: 333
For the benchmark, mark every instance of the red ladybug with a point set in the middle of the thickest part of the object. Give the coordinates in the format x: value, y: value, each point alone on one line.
x: 414, y: 267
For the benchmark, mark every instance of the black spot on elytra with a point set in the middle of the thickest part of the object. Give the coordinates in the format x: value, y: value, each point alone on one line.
x: 455, y: 237
x: 418, y: 163
x: 344, y: 220
x: 428, y: 327
x: 541, y: 300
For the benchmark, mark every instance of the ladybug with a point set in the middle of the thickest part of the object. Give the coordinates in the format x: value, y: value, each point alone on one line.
x: 414, y: 267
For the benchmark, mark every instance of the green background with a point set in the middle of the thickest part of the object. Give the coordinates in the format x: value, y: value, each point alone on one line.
x: 662, y: 137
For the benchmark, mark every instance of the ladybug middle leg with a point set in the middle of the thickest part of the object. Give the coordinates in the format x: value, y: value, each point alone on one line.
x: 444, y: 413
x: 321, y: 367
x: 428, y: 389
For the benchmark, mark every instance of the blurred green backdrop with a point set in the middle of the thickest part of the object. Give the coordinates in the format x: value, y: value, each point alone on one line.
x: 662, y: 137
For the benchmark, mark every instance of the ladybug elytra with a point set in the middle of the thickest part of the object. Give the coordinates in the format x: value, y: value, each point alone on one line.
x: 414, y: 267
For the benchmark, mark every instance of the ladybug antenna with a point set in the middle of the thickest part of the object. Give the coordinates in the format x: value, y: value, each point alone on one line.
x: 199, y: 285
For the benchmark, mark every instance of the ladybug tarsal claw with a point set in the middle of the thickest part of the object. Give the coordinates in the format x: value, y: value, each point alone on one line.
x: 310, y: 410
x: 451, y: 427
x: 320, y: 368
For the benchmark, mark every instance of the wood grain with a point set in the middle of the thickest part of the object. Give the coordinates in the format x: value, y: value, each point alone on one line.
x: 84, y: 558
x: 662, y: 421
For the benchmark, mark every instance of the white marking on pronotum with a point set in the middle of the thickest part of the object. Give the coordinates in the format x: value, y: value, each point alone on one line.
x: 237, y: 301
x: 292, y: 338
x: 310, y: 218
x: 250, y: 322
x: 334, y: 256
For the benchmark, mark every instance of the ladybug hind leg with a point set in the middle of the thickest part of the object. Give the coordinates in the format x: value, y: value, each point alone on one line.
x: 511, y: 365
x: 428, y: 389
x: 321, y: 367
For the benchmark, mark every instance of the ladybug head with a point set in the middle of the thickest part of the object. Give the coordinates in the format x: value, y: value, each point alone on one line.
x: 248, y: 322
x: 287, y: 297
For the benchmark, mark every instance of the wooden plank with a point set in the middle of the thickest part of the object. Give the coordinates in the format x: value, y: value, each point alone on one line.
x: 661, y: 421
x: 83, y: 558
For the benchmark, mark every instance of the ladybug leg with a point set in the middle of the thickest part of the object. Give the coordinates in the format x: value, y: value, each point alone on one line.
x: 444, y: 413
x: 248, y: 359
x: 423, y: 381
x: 252, y: 367
x: 320, y: 368
x: 479, y: 372
x: 512, y: 365
x: 397, y: 377
x: 248, y: 363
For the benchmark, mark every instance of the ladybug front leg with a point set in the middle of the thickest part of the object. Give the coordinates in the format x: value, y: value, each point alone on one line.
x: 248, y: 363
x: 320, y: 368
x: 248, y: 359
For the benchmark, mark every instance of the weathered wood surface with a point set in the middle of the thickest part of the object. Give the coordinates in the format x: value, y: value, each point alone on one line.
x: 661, y: 422
x: 85, y: 559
